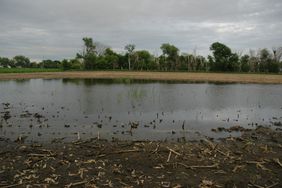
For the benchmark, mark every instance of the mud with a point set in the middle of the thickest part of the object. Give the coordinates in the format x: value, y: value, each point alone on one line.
x: 252, y: 160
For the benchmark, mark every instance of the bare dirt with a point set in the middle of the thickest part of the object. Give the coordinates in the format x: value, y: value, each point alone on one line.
x: 253, y: 160
x: 177, y: 76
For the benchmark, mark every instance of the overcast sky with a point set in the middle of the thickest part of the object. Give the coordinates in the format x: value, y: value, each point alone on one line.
x: 53, y: 29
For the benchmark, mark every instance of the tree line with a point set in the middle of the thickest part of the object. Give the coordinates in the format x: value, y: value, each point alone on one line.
x: 96, y: 56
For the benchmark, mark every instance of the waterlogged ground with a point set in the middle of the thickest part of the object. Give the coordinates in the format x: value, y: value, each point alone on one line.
x: 71, y: 109
x: 252, y: 160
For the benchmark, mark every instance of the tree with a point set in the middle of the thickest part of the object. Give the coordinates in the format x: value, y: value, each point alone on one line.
x: 201, y: 63
x: 264, y: 59
x: 170, y: 52
x: 111, y: 58
x: 144, y: 60
x: 101, y: 63
x: 122, y: 61
x: 5, y: 62
x: 50, y: 64
x: 254, y: 61
x: 89, y: 54
x: 233, y: 63
x: 130, y: 48
x: 184, y: 61
x: 34, y: 65
x: 277, y: 52
x: 100, y: 48
x: 66, y: 65
x: 268, y: 62
x: 21, y: 61
x: 223, y: 59
x: 274, y: 67
x: 245, y: 63
x: 75, y: 64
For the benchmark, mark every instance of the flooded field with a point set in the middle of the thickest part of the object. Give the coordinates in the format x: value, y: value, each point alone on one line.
x: 70, y: 109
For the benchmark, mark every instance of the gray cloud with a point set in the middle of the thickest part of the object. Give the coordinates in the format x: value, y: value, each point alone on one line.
x: 54, y: 29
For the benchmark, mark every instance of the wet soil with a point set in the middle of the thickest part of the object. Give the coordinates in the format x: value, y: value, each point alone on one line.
x: 252, y: 160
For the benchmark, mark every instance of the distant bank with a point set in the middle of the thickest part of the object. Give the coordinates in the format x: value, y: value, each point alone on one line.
x: 175, y: 76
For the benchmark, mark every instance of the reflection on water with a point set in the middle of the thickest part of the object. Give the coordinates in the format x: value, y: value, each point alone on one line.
x: 44, y: 109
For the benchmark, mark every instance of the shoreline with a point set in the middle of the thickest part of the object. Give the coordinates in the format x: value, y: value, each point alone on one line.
x: 169, y: 76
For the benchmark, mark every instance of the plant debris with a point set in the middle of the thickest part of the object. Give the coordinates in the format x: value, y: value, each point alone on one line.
x: 231, y: 162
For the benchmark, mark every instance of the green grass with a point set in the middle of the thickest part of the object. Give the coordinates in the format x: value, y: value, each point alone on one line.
x: 27, y: 70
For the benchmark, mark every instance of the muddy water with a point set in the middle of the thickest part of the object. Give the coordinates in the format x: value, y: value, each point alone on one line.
x: 43, y: 110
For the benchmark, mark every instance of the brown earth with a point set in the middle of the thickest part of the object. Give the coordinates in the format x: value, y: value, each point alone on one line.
x: 253, y: 160
x: 181, y: 76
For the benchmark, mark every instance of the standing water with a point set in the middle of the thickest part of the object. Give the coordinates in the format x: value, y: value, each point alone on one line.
x: 43, y: 110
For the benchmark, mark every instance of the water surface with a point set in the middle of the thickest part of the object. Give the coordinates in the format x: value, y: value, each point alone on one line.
x: 42, y: 109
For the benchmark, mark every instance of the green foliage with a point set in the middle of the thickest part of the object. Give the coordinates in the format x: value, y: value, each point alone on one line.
x: 184, y: 62
x: 6, y: 62
x: 35, y: 65
x: 233, y: 63
x: 170, y: 55
x: 267, y: 62
x: 144, y: 61
x: 111, y: 58
x: 102, y: 64
x: 89, y: 47
x: 130, y: 48
x: 223, y: 59
x: 245, y: 63
x: 169, y: 50
x: 76, y: 64
x: 273, y: 67
x: 21, y: 61
x: 201, y: 64
x: 27, y: 70
x: 89, y: 61
x: 122, y: 61
x: 96, y: 56
x: 66, y: 65
x: 89, y: 54
x: 73, y: 64
x: 49, y: 64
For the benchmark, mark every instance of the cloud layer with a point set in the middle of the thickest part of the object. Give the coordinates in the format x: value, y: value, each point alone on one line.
x: 51, y: 29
